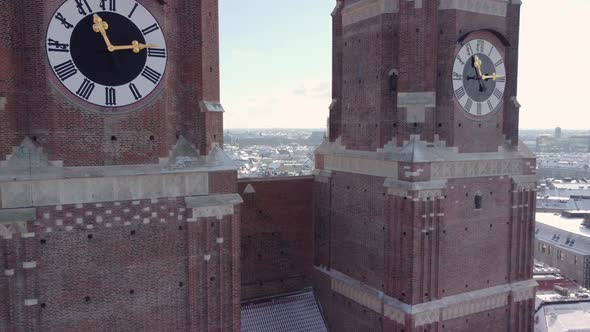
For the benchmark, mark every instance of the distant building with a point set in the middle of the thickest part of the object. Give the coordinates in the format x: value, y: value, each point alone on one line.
x: 558, y: 132
x: 565, y: 307
x: 562, y: 240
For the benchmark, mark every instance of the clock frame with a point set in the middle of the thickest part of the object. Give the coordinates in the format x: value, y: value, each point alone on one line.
x: 83, y: 62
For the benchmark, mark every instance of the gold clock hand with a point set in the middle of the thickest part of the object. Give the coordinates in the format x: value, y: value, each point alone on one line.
x: 101, y: 26
x: 493, y: 77
x: 477, y: 65
x: 135, y: 46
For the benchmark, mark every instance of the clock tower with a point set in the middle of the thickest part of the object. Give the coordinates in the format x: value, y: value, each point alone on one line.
x: 424, y: 196
x: 118, y: 207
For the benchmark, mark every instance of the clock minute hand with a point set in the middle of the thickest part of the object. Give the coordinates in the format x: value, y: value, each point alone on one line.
x: 493, y: 77
x: 101, y: 26
x: 135, y: 46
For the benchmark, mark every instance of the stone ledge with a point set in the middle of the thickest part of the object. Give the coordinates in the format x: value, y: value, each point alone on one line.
x: 450, y: 307
x: 212, y: 205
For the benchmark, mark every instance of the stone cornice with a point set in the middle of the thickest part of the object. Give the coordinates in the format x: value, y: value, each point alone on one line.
x: 449, y: 307
x: 488, y: 7
x: 366, y: 9
x: 444, y: 162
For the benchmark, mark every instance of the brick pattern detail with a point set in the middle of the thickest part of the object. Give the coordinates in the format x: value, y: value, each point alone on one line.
x: 122, y: 266
x: 277, y: 242
x: 223, y: 182
x: 68, y: 132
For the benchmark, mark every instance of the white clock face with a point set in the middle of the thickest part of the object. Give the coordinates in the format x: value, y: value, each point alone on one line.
x: 479, y: 77
x: 110, y: 53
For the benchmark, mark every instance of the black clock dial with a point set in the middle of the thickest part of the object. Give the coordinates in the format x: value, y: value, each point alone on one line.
x: 479, y: 77
x: 107, y: 53
x: 478, y: 89
x: 96, y: 62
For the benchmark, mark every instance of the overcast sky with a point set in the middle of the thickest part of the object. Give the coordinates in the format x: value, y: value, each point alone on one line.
x: 276, y: 63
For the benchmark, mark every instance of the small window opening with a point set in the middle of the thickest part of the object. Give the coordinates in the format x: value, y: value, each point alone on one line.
x: 392, y: 81
x: 478, y: 201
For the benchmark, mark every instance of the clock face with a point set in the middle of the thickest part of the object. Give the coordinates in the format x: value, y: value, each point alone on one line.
x: 479, y: 77
x: 110, y: 53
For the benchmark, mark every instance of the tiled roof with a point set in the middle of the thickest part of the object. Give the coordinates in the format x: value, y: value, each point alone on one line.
x: 290, y: 313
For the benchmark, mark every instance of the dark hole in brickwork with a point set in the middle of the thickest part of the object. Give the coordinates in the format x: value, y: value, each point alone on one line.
x: 466, y: 194
x: 34, y: 138
x: 497, y: 125
x: 417, y: 30
x: 466, y: 229
x: 491, y: 225
x: 488, y: 281
x: 260, y: 211
x: 466, y: 286
x: 132, y: 232
x: 444, y: 232
x: 459, y: 125
x: 442, y: 32
x: 87, y: 299
x: 212, y: 279
x: 425, y: 294
x: 180, y: 284
x: 177, y: 135
x: 43, y: 305
x: 443, y: 291
x: 212, y: 224
x: 179, y: 228
x: 210, y: 69
x: 439, y: 124
x: 214, y: 137
x: 415, y: 125
x: 479, y: 125
x: 404, y: 233
x: 131, y: 292
x: 152, y: 138
x: 113, y: 138
x: 43, y: 241
x: 90, y: 236
x: 491, y: 192
x: 478, y: 200
x: 394, y: 125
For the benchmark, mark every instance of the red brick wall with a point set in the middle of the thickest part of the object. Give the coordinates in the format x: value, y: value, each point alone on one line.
x: 122, y: 266
x: 71, y: 133
x: 276, y: 232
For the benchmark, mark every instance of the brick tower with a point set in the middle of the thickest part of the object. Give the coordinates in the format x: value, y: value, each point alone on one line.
x: 424, y: 198
x: 118, y: 209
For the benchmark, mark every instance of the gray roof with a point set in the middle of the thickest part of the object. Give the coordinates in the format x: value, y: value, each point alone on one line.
x: 289, y: 313
x: 567, y: 233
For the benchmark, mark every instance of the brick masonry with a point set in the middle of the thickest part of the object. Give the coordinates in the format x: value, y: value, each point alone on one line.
x: 396, y: 189
x: 277, y: 236
x: 121, y: 266
x: 37, y: 105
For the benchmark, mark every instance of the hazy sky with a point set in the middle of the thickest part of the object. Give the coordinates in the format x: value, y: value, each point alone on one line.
x: 276, y: 63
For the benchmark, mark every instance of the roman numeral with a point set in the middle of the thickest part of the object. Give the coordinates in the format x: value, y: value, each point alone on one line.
x: 65, y: 70
x: 480, y: 46
x: 80, y: 5
x: 56, y: 46
x: 110, y: 95
x: 469, y: 49
x: 490, y: 106
x: 498, y: 93
x: 468, y: 104
x: 499, y: 63
x: 85, y: 89
x: 491, y: 50
x: 151, y: 28
x: 133, y: 10
x: 157, y: 52
x: 460, y: 60
x: 478, y: 108
x: 457, y: 76
x: 152, y: 75
x: 460, y: 92
x: 112, y: 5
x: 134, y: 91
x: 63, y: 21
x: 501, y: 79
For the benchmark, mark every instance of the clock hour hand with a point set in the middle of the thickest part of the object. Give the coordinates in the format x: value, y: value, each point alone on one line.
x: 493, y: 77
x: 477, y: 64
x: 101, y: 26
x: 135, y: 46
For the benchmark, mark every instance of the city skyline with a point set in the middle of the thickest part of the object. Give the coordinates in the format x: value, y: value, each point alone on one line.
x: 276, y: 72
